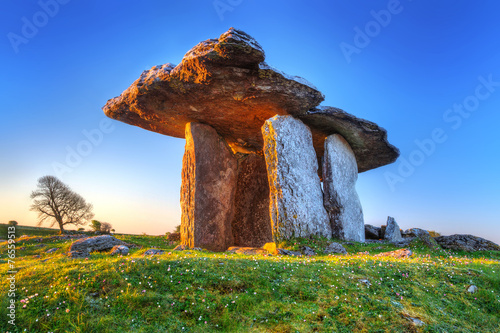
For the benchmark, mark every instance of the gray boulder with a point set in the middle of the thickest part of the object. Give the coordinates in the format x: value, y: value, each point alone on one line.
x: 289, y: 252
x: 119, y: 250
x: 341, y: 201
x: 335, y: 248
x: 307, y: 251
x: 372, y: 232
x: 423, y: 235
x: 96, y: 243
x: 52, y: 250
x: 467, y: 243
x: 153, y: 252
x: 296, y: 199
x: 392, y: 232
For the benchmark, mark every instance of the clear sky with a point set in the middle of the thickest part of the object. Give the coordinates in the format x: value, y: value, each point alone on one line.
x: 426, y: 71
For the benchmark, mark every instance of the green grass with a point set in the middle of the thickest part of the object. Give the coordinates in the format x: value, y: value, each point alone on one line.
x: 195, y: 291
x: 25, y: 230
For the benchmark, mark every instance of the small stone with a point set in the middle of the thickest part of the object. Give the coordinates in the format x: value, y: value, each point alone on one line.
x: 119, y: 250
x: 335, y: 248
x: 392, y: 232
x: 289, y: 252
x: 54, y: 249
x: 472, y: 289
x: 152, y: 252
x: 307, y: 251
x: 365, y: 281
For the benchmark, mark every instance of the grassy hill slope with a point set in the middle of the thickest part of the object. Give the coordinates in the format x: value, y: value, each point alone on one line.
x: 193, y: 291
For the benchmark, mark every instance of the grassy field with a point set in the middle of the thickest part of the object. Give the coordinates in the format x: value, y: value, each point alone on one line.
x: 25, y: 230
x: 195, y: 291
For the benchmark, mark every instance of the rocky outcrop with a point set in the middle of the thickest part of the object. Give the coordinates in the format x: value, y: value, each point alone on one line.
x: 422, y: 235
x: 372, y: 232
x: 467, y: 243
x: 296, y: 200
x: 251, y: 224
x: 341, y: 200
x: 335, y: 248
x: 209, y: 175
x: 392, y: 232
x: 83, y: 247
x: 226, y: 84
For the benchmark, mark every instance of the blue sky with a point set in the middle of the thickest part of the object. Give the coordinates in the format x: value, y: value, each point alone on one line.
x: 428, y: 72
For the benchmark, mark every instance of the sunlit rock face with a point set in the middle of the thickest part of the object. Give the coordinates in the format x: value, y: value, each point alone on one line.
x: 340, y: 173
x: 251, y: 224
x: 209, y: 176
x: 225, y: 83
x: 222, y: 82
x: 296, y: 199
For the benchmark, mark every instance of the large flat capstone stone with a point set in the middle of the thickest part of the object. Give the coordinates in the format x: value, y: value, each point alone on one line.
x: 209, y: 176
x: 341, y: 200
x: 226, y: 84
x: 296, y: 199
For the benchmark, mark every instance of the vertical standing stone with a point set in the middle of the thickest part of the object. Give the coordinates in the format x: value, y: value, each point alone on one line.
x: 392, y: 231
x: 340, y: 173
x: 296, y: 200
x: 209, y: 175
x: 251, y: 224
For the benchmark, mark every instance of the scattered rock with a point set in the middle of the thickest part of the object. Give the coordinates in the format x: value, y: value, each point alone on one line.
x: 96, y: 243
x: 78, y: 254
x: 472, y: 289
x: 54, y: 249
x: 424, y: 236
x: 392, y: 232
x: 341, y: 201
x: 366, y: 282
x: 467, y: 243
x: 372, y: 232
x: 209, y: 175
x: 296, y: 199
x: 307, y: 251
x: 247, y: 250
x: 400, y: 254
x: 335, y: 248
x: 415, y: 321
x: 153, y: 252
x: 119, y: 250
x: 289, y: 252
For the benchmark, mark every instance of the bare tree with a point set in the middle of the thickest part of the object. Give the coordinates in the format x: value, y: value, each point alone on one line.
x: 55, y: 202
x: 106, y: 227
